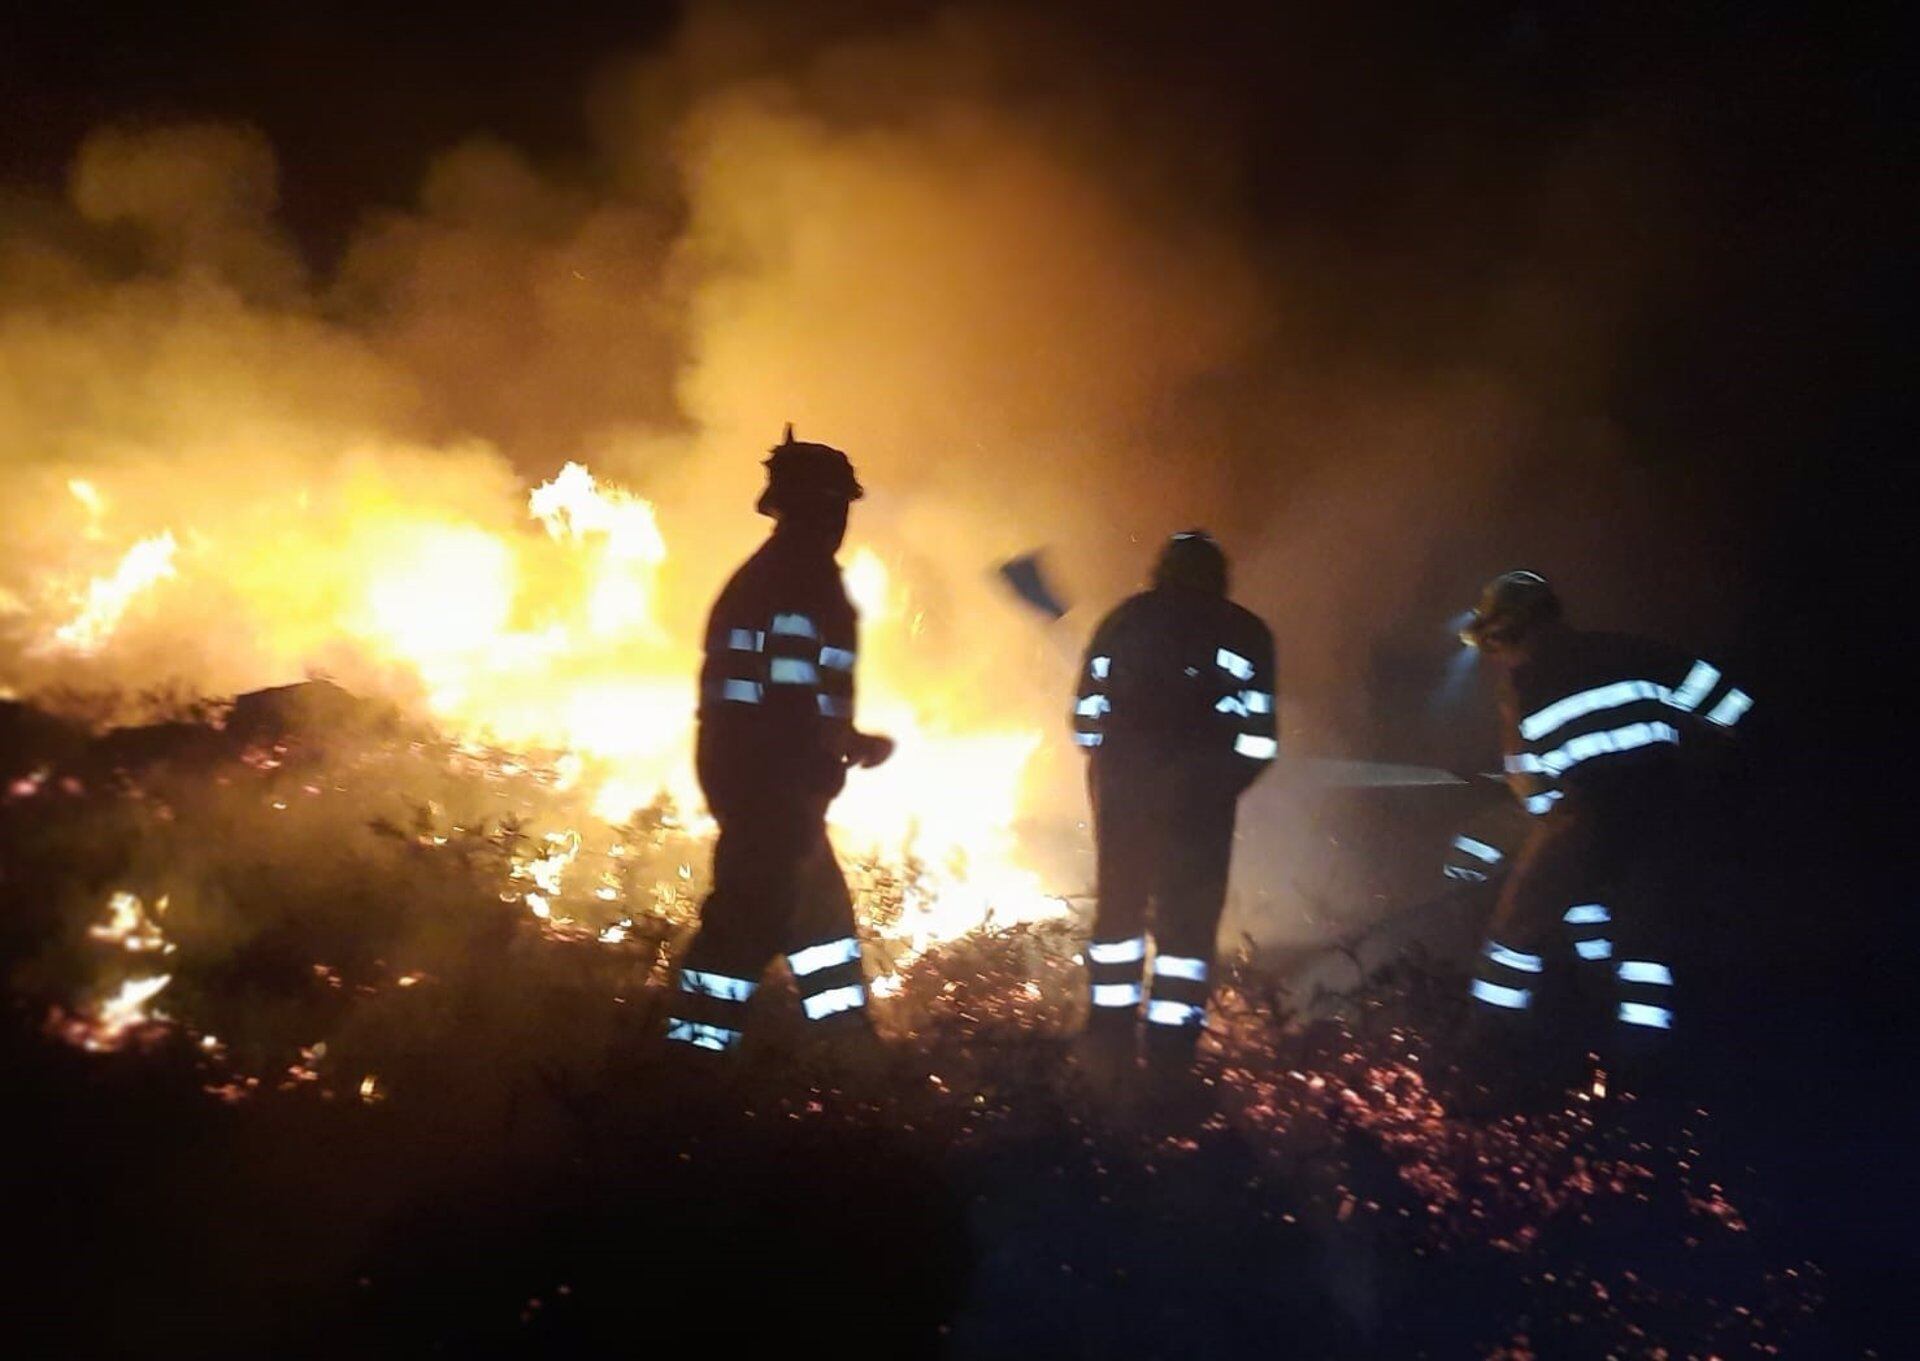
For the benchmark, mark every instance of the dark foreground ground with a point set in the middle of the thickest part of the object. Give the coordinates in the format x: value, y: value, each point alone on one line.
x: 379, y: 1110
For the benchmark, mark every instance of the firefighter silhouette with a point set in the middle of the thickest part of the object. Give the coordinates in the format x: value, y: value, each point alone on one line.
x: 1593, y: 725
x: 1176, y: 713
x: 776, y: 738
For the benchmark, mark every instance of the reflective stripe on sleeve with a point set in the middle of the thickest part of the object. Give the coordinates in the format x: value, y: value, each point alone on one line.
x: 746, y: 640
x: 814, y: 958
x: 1700, y: 680
x: 1231, y: 704
x: 1233, y: 664
x: 793, y: 626
x: 1540, y: 803
x: 1589, y: 745
x: 1087, y: 739
x: 740, y: 691
x: 1587, y: 912
x: 1593, y: 949
x: 1259, y: 748
x: 1092, y: 706
x: 839, y: 658
x: 1728, y: 711
x: 833, y: 706
x: 1479, y: 850
x: 1118, y: 951
x: 1257, y: 701
x: 1180, y: 966
x: 1463, y: 873
x: 1100, y: 666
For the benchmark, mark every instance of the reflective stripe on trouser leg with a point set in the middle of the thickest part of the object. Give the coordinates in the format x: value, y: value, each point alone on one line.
x: 1589, y: 928
x: 1180, y: 989
x: 1113, y: 973
x: 1646, y: 994
x: 1504, y: 977
x: 708, y: 1009
x: 829, y: 978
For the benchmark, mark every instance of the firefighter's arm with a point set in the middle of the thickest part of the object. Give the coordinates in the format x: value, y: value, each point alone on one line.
x: 1091, y: 703
x: 1713, y: 701
x: 1255, y: 706
x: 861, y: 750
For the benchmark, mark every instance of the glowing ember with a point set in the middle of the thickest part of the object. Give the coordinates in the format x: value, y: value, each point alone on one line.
x: 129, y: 926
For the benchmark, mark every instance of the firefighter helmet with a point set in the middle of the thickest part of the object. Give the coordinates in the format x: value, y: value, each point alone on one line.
x: 799, y: 470
x: 1512, y: 604
x: 1192, y: 559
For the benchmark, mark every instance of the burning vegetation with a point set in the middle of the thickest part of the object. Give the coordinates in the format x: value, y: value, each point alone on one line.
x: 325, y: 917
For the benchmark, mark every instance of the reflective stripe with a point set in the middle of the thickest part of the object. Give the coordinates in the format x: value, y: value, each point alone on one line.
x: 1180, y: 966
x: 1589, y: 745
x: 1480, y: 850
x: 740, y: 691
x: 793, y: 626
x: 1639, y: 1013
x: 716, y: 985
x: 1493, y: 994
x: 1514, y: 959
x: 834, y: 1001
x: 832, y: 706
x: 746, y: 640
x: 1118, y: 951
x: 1259, y: 748
x: 1117, y: 994
x: 1230, y: 704
x: 1100, y: 666
x: 1587, y: 912
x: 1563, y: 711
x: 1233, y: 664
x: 793, y: 671
x: 715, y: 1037
x: 1727, y: 712
x: 1540, y: 803
x: 1645, y: 971
x: 817, y: 957
x: 1694, y: 688
x: 1593, y: 949
x: 1257, y: 701
x: 1462, y: 872
x: 1093, y: 706
x: 839, y: 658
x: 1162, y: 1012
x: 1087, y: 739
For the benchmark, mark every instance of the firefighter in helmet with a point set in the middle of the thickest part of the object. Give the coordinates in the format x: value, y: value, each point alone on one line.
x: 775, y: 741
x: 1176, y: 713
x: 1593, y: 725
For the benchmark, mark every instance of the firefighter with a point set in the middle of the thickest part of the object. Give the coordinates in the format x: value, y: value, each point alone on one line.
x: 1176, y: 713
x: 776, y: 738
x: 1593, y: 725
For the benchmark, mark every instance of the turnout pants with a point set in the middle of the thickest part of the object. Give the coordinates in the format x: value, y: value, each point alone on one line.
x: 776, y: 888
x: 1582, y: 906
x: 1164, y: 835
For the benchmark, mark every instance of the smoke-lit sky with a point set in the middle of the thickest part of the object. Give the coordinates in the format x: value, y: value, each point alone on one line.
x: 1391, y: 301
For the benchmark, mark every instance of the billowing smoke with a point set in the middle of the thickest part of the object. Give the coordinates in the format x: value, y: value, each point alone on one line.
x: 960, y: 247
